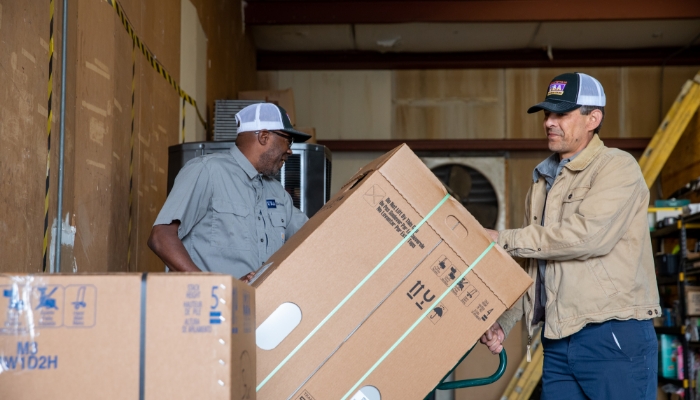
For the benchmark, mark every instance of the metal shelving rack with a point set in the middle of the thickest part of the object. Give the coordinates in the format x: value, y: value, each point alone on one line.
x: 686, y: 226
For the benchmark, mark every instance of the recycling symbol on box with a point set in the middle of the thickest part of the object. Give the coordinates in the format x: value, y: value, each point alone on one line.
x: 374, y: 195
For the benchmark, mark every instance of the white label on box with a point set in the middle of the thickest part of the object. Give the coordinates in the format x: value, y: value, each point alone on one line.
x: 278, y: 326
x: 367, y: 393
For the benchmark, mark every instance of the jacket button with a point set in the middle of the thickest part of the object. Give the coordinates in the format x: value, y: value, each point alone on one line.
x: 261, y: 240
x: 535, y: 218
x: 650, y: 312
x: 569, y: 196
x: 505, y: 246
x: 539, y: 249
x: 282, y: 219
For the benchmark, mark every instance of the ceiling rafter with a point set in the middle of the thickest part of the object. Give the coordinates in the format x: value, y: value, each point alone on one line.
x: 280, y: 12
x: 345, y: 60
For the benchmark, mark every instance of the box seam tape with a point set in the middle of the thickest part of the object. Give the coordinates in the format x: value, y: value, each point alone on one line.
x: 447, y: 243
x: 142, y: 340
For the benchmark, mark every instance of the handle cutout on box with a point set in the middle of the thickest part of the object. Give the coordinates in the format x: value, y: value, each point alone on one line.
x: 457, y: 227
x: 278, y: 326
x: 367, y: 393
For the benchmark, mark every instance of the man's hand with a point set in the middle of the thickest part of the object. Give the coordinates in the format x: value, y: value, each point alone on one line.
x: 494, y: 337
x: 493, y: 234
x: 247, y: 277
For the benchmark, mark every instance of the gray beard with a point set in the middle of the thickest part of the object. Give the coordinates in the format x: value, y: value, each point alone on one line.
x: 268, y: 162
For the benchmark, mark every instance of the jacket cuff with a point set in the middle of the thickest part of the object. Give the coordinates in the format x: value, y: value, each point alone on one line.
x: 506, y: 239
x: 507, y: 322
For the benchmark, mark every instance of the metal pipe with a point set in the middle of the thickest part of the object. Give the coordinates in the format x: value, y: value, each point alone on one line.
x: 62, y: 136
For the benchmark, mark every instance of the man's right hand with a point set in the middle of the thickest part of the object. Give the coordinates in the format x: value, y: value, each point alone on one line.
x: 493, y: 338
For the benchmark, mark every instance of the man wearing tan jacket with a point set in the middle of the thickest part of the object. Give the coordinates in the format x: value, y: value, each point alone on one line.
x: 587, y: 245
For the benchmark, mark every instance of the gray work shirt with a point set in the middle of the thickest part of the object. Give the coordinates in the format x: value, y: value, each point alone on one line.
x: 232, y: 218
x: 548, y: 169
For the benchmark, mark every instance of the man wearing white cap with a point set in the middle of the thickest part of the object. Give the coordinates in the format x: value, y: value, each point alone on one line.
x: 587, y: 242
x: 226, y: 213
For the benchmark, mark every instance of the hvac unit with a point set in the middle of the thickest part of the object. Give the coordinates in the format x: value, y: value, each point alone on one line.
x: 306, y: 175
x: 478, y: 182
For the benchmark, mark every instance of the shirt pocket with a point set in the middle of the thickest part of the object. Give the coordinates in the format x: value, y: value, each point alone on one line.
x: 228, y: 225
x: 572, y: 200
x: 278, y: 221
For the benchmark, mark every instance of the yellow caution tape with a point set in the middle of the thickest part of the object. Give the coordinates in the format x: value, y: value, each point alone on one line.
x: 153, y: 60
x: 48, y: 138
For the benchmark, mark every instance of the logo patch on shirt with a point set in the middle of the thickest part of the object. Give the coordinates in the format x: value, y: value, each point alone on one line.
x: 556, y: 87
x: 271, y: 203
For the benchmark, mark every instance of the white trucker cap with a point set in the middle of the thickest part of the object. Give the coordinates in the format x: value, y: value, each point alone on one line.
x: 268, y: 116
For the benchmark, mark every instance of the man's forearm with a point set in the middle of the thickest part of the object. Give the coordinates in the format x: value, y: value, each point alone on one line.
x: 165, y: 242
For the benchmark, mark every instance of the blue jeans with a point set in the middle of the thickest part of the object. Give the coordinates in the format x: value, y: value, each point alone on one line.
x: 611, y: 360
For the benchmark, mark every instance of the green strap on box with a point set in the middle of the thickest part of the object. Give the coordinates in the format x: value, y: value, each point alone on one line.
x: 409, y: 330
x: 352, y: 292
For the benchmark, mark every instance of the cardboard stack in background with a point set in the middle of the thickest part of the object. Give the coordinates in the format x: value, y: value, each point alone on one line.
x: 80, y: 337
x: 392, y: 338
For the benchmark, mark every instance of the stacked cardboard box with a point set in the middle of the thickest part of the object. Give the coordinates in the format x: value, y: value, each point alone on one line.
x: 126, y: 336
x: 381, y: 293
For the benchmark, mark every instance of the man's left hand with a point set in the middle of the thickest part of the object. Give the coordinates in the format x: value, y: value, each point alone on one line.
x: 493, y: 234
x: 248, y: 277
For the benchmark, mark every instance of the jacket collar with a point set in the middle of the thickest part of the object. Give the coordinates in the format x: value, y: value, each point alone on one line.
x: 587, y: 155
x: 243, y: 161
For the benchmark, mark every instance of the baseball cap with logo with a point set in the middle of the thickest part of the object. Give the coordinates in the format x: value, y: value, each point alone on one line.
x: 568, y: 92
x: 268, y: 116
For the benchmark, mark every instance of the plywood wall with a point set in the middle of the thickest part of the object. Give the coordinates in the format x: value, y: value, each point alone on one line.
x: 474, y: 103
x: 98, y: 147
x: 24, y: 65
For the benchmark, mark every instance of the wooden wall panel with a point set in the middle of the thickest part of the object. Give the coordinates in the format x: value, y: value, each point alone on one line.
x: 230, y: 52
x: 349, y: 105
x: 639, y: 102
x: 24, y: 28
x: 449, y: 104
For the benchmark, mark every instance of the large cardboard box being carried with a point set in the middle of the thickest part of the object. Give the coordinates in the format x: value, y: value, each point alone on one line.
x: 354, y: 307
x: 126, y: 336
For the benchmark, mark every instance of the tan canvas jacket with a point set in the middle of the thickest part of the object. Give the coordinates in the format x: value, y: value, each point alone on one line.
x: 596, y: 240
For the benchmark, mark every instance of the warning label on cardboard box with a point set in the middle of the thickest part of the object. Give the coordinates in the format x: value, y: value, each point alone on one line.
x: 23, y: 308
x: 393, y: 215
x: 447, y: 272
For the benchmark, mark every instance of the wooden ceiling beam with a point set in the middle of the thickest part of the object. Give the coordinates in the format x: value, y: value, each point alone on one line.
x: 529, y: 58
x: 465, y: 145
x: 280, y: 12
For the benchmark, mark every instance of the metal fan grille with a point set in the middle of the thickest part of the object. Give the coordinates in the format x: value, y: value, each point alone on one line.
x: 481, y: 201
x: 292, y: 178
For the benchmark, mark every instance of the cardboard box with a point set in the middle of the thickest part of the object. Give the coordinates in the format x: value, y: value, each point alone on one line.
x: 169, y: 336
x: 283, y: 98
x: 692, y: 300
x: 380, y: 313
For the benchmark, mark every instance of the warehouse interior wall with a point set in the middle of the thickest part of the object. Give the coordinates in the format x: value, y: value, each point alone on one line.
x: 472, y: 104
x: 102, y: 69
x: 193, y: 70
